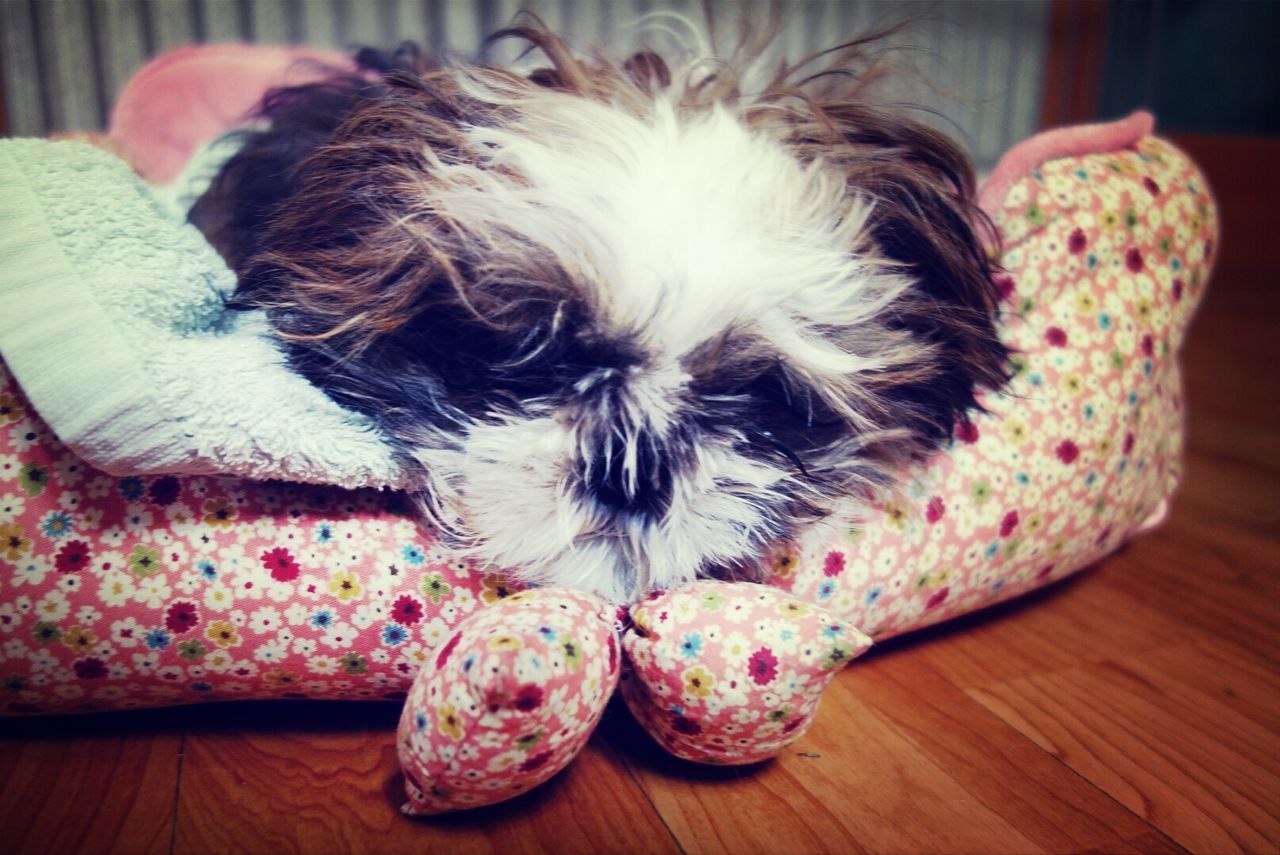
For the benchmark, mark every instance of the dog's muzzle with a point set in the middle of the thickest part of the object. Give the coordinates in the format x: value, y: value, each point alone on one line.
x: 633, y: 477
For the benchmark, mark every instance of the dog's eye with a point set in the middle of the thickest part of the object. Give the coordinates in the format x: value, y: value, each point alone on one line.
x: 801, y: 407
x: 781, y: 421
x: 784, y: 450
x: 487, y: 368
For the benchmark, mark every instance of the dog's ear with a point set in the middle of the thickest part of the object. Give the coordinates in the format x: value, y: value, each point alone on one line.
x: 234, y: 212
x: 925, y: 219
x: 290, y: 124
x: 339, y: 249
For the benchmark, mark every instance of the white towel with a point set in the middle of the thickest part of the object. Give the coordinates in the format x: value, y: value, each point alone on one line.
x: 112, y: 320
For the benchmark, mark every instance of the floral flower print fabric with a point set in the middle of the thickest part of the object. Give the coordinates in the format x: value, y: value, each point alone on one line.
x: 731, y: 672
x: 1105, y: 259
x: 509, y: 699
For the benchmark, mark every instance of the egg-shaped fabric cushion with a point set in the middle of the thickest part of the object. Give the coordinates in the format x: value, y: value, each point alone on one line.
x: 731, y: 672
x: 508, y: 701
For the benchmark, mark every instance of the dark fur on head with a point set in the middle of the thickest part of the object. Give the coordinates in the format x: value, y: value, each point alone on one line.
x: 340, y: 220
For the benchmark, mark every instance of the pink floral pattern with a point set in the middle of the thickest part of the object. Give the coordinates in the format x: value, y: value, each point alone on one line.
x: 1106, y: 256
x: 731, y: 672
x: 509, y: 700
x: 135, y: 592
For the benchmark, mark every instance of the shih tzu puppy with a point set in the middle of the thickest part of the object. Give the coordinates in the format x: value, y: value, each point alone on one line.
x: 628, y: 321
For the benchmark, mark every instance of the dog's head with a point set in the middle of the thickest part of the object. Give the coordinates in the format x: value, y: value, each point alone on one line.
x: 632, y: 322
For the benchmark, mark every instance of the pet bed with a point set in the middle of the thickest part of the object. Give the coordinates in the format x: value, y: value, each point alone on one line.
x: 140, y: 590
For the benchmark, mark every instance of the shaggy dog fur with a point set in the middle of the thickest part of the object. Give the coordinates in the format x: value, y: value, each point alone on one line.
x: 628, y: 321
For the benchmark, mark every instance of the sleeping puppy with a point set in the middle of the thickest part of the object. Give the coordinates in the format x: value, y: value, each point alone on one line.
x: 628, y: 322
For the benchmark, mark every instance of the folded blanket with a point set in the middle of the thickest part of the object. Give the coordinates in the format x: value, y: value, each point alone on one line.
x: 112, y: 318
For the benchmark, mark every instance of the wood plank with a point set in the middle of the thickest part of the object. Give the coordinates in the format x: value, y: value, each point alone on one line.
x: 324, y: 778
x: 1233, y: 675
x: 1078, y: 620
x: 1171, y: 753
x: 995, y: 763
x: 1150, y: 843
x: 858, y: 782
x: 90, y: 784
x: 1231, y: 484
x: 1223, y: 581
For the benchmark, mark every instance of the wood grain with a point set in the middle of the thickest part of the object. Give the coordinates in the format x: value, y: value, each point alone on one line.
x: 855, y: 784
x: 1048, y: 803
x: 330, y: 783
x: 1173, y: 755
x: 102, y: 785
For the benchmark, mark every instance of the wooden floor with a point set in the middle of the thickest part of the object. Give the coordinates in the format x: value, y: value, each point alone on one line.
x: 1135, y: 707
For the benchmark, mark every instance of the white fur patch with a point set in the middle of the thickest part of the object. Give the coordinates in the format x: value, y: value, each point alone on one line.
x: 685, y: 224
x: 688, y: 224
x: 513, y: 484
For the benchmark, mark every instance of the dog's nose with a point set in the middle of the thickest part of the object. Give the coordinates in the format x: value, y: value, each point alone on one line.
x: 631, y: 477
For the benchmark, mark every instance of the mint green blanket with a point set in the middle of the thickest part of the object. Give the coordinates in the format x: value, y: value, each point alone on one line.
x: 112, y: 320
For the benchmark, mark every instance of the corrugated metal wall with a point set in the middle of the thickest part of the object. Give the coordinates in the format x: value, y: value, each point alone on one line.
x: 64, y: 60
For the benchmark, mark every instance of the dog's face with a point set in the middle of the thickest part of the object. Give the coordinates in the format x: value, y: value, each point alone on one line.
x: 631, y: 330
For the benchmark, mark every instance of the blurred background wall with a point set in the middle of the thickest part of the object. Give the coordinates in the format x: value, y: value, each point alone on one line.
x: 989, y: 71
x: 1203, y: 66
x: 65, y: 60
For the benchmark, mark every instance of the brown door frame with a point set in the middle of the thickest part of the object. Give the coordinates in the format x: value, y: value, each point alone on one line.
x: 1075, y: 61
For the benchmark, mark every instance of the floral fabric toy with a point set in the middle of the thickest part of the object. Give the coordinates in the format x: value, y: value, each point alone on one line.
x: 124, y: 592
